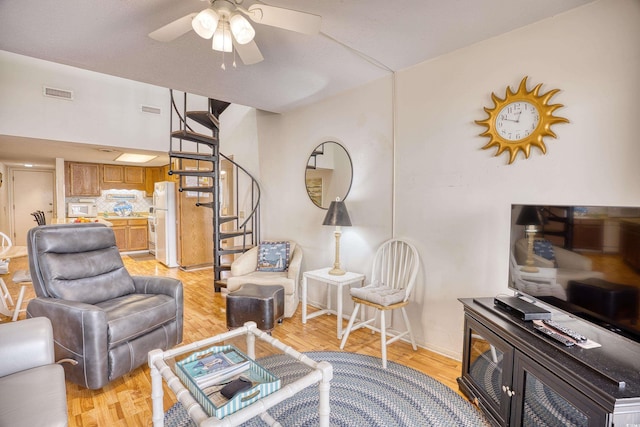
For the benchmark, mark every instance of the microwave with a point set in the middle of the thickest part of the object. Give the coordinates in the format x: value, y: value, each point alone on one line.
x: 76, y: 210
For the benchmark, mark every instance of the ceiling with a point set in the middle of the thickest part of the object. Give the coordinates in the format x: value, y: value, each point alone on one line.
x: 360, y: 41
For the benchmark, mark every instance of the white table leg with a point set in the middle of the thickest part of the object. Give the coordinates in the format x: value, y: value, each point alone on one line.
x: 156, y: 390
x: 304, y: 299
x: 339, y: 312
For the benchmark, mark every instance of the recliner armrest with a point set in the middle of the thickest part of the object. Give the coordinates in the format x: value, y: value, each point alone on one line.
x: 158, y: 285
x: 26, y: 344
x: 82, y: 327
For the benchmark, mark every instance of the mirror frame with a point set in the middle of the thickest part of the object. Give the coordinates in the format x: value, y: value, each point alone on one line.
x: 340, y: 146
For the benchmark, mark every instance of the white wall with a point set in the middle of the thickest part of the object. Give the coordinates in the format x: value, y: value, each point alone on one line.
x: 360, y: 120
x: 453, y: 198
x: 106, y: 110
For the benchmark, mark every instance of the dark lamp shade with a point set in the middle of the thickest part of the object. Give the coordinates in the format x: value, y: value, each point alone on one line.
x: 530, y: 215
x: 337, y: 215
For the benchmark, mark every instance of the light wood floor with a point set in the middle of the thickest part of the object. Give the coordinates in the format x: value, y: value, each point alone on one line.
x: 126, y: 401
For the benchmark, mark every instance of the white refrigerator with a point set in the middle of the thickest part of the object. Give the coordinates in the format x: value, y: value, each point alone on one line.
x: 164, y: 206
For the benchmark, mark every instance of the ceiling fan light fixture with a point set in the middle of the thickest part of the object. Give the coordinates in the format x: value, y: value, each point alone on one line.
x: 205, y: 23
x: 241, y: 29
x: 222, y: 38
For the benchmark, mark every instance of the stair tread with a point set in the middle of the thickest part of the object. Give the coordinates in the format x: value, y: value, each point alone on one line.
x: 195, y: 137
x: 205, y: 118
x: 234, y: 250
x: 193, y: 172
x: 193, y: 156
x: 198, y: 189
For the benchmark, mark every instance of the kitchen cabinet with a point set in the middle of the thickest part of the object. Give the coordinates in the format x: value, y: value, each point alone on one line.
x: 519, y: 377
x: 131, y: 234
x: 153, y: 175
x: 82, y: 179
x: 123, y: 177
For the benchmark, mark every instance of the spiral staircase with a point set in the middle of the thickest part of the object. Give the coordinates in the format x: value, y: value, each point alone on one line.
x: 195, y: 165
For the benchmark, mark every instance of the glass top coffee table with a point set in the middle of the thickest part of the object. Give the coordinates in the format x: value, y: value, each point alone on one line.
x: 254, y: 343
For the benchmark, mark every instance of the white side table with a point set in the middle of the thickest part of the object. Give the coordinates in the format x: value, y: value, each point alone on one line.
x: 339, y: 282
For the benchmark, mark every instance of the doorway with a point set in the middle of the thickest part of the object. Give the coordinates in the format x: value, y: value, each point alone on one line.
x: 31, y: 190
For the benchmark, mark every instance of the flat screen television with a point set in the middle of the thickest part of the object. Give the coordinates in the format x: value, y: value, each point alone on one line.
x: 583, y: 260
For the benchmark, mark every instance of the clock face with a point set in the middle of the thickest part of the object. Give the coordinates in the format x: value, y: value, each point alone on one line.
x: 517, y: 120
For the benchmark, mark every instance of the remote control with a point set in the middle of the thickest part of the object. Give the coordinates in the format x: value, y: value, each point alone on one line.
x: 566, y: 331
x: 548, y: 332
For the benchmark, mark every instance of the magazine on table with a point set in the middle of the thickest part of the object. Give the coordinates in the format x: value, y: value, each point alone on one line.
x: 216, y: 368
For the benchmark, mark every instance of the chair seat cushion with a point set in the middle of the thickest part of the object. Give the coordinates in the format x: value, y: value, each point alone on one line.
x: 382, y: 295
x: 34, y: 397
x: 134, y: 315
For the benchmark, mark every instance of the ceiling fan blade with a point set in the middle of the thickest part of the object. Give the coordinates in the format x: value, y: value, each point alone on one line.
x: 288, y: 19
x: 174, y: 29
x: 248, y: 53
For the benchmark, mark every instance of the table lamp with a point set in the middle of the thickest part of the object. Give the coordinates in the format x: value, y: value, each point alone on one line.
x: 337, y: 216
x: 531, y: 218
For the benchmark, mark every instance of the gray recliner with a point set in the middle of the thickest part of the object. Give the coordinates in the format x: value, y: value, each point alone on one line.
x: 103, y: 318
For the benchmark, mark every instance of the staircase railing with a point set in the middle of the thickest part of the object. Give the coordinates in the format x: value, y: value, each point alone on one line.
x: 207, y: 152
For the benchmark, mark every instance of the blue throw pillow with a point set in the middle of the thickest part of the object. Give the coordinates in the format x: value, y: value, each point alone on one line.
x: 273, y: 256
x: 544, y: 248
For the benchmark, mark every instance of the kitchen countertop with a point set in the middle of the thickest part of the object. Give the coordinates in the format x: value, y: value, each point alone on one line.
x: 72, y: 221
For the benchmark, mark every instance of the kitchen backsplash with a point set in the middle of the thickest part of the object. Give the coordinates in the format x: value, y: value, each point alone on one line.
x: 109, y: 198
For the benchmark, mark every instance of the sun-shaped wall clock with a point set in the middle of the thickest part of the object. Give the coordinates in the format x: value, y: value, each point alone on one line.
x: 520, y: 120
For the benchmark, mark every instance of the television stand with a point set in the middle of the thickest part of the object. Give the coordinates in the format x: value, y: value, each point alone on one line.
x: 515, y: 374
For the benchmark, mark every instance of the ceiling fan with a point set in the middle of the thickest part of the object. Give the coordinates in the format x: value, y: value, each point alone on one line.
x: 224, y: 21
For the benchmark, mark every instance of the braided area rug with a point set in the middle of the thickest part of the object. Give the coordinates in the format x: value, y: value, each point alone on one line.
x: 362, y: 394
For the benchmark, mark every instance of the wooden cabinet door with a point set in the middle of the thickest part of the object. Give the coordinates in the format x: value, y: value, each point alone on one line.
x: 137, y: 235
x: 153, y: 175
x: 120, y: 230
x: 83, y: 179
x: 112, y: 174
x: 134, y: 175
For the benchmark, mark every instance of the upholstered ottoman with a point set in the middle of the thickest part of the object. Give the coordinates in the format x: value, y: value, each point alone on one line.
x: 263, y: 304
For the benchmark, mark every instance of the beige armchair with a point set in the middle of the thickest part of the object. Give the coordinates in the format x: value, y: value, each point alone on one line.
x: 31, y: 384
x: 244, y: 270
x: 570, y: 265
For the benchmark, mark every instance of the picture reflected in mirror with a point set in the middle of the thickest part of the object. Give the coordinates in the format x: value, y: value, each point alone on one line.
x: 329, y: 174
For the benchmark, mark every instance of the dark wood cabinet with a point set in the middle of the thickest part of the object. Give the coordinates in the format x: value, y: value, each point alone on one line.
x: 630, y: 242
x: 519, y: 377
x: 588, y: 234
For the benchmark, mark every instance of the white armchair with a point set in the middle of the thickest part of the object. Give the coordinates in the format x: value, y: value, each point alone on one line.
x: 244, y: 270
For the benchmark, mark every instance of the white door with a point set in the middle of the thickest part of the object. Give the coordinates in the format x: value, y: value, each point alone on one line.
x: 32, y: 190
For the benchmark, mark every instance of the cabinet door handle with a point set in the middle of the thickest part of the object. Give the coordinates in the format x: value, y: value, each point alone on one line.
x: 508, y: 391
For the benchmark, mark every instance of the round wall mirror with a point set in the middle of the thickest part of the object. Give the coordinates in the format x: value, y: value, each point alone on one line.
x: 329, y: 174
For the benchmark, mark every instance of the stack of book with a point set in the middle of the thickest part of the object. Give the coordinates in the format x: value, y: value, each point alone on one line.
x: 216, y: 368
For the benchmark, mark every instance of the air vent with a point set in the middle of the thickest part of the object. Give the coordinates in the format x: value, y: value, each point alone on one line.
x: 151, y: 110
x: 57, y: 93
